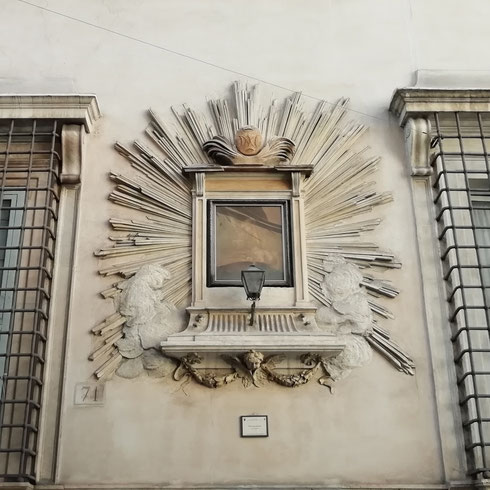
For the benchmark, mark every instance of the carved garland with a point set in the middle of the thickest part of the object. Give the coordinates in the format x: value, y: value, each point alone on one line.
x: 253, y: 368
x: 156, y: 248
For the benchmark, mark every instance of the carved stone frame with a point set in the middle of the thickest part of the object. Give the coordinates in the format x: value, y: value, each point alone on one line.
x: 218, y: 323
x: 78, y: 114
x: 200, y: 196
x: 284, y: 204
x: 412, y: 106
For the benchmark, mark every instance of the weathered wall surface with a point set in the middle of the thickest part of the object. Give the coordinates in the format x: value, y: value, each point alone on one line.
x: 380, y: 426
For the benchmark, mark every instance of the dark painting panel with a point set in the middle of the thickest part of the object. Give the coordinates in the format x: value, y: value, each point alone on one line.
x: 249, y: 235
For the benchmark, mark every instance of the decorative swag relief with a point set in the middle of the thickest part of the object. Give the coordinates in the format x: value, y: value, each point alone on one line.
x: 151, y: 257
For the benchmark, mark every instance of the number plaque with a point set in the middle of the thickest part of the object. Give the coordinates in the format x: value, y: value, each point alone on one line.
x: 89, y: 394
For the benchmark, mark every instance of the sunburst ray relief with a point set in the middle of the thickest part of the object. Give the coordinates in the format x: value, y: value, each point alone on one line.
x: 339, y: 196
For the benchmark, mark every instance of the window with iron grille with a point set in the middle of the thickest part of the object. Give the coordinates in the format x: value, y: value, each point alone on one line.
x: 29, y: 198
x: 461, y: 183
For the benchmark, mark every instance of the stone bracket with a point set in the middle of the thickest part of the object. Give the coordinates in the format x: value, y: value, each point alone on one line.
x: 417, y: 144
x: 72, y: 139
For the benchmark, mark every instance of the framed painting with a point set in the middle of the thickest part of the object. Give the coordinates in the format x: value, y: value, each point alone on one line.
x: 241, y: 233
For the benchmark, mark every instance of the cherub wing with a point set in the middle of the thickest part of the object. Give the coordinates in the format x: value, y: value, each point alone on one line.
x: 277, y: 151
x: 240, y: 369
x: 263, y: 373
x: 272, y: 361
x: 260, y: 377
x: 220, y: 150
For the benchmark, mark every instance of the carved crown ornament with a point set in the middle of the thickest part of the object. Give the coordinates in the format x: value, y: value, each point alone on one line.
x: 271, y: 184
x: 249, y: 149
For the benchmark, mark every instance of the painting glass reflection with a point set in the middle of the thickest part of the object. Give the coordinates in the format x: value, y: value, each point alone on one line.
x: 250, y: 234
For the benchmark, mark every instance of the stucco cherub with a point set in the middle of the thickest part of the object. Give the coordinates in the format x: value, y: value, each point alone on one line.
x: 349, y: 316
x: 149, y: 318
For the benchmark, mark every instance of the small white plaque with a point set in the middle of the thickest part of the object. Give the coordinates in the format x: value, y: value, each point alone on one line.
x: 254, y: 426
x: 89, y: 394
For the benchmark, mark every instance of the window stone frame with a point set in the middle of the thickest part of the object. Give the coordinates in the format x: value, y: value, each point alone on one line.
x: 77, y: 113
x: 412, y: 108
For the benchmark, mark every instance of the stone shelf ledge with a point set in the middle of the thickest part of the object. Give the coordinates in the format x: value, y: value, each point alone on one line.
x: 275, y: 330
x: 326, y: 345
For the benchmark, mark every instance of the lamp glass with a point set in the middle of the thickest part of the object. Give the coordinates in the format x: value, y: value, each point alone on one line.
x: 253, y: 280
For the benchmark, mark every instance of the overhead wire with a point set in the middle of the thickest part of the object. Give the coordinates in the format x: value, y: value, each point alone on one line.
x: 190, y: 57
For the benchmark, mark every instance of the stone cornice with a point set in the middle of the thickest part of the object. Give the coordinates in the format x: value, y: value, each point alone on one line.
x: 415, y: 102
x: 79, y: 109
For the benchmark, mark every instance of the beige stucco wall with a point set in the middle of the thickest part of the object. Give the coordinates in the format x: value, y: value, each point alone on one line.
x: 380, y: 426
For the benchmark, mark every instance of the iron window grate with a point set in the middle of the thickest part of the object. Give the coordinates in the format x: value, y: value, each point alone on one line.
x: 461, y: 184
x: 29, y: 199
